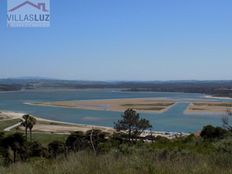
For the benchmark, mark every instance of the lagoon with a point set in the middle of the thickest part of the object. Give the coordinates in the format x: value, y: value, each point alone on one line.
x: 175, y: 119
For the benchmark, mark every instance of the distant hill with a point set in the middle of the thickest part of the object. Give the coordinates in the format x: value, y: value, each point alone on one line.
x: 216, y: 88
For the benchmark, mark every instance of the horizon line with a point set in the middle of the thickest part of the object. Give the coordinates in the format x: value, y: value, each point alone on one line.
x: 63, y: 79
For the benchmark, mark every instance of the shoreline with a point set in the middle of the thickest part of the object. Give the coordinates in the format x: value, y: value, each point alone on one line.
x: 214, y: 97
x: 50, y: 126
x: 206, y: 108
x: 17, y: 115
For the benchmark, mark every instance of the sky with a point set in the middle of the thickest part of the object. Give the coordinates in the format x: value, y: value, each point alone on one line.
x: 123, y: 40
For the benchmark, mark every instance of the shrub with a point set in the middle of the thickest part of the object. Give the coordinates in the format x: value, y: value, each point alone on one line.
x: 55, y: 148
x: 210, y: 132
x: 37, y: 150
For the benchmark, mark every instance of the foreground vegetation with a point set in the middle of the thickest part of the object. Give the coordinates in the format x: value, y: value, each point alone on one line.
x: 183, y: 155
x: 114, y: 163
x: 124, y: 152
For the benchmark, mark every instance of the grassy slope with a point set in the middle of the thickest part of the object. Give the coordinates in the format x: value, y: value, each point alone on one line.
x: 190, y: 156
x: 45, y: 138
x: 7, y: 123
x: 114, y: 163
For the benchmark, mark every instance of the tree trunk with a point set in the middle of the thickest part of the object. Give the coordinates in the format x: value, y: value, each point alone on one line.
x: 14, y: 156
x: 30, y: 135
x: 129, y: 134
x: 26, y: 132
x: 65, y: 152
x: 91, y: 141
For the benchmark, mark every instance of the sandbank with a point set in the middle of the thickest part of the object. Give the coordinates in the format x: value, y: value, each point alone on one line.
x: 149, y: 105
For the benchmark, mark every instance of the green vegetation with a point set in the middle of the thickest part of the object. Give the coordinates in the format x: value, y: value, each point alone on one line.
x: 210, y: 132
x: 199, y: 109
x: 124, y: 152
x: 150, y: 108
x: 190, y: 155
x: 7, y: 123
x: 133, y: 124
x: 28, y: 123
x: 46, y: 138
x: 145, y: 108
x: 113, y: 163
x: 149, y: 104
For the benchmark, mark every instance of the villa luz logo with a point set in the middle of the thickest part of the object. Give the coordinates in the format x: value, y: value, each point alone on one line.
x: 33, y: 13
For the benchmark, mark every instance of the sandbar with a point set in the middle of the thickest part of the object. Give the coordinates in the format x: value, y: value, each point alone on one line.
x: 149, y: 105
x: 209, y: 107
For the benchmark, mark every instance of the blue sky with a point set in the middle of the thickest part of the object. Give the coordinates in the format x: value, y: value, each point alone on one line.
x: 123, y: 40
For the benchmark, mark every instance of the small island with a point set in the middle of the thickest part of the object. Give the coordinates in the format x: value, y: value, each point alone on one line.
x: 150, y: 105
x: 209, y: 107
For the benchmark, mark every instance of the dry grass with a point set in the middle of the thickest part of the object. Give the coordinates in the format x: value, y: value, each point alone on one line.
x: 113, y: 163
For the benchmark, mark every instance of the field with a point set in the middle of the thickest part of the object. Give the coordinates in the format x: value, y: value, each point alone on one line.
x: 6, y: 123
x: 43, y: 137
x: 209, y: 107
x: 139, y: 104
x: 46, y: 138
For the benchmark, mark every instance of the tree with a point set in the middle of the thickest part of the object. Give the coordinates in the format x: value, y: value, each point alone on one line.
x: 226, y: 121
x: 28, y: 123
x: 132, y: 123
x: 16, y: 143
x: 4, y: 149
x: 76, y: 141
x: 95, y: 137
x: 31, y: 123
x: 36, y: 149
x: 25, y: 123
x: 210, y: 132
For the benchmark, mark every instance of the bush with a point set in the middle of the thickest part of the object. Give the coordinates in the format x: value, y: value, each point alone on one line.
x: 37, y: 150
x: 76, y: 142
x: 55, y: 148
x: 209, y: 132
x: 224, y: 146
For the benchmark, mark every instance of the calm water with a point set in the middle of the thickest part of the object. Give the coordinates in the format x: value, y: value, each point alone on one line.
x: 172, y: 120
